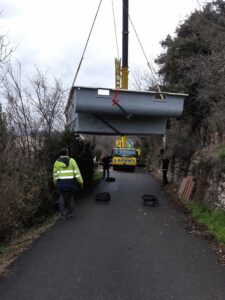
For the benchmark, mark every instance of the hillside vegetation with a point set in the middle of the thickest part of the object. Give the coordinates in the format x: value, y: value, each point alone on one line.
x: 193, y: 63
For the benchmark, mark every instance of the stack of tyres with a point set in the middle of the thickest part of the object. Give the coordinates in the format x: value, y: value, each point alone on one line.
x: 111, y: 179
x: 150, y: 200
x: 103, y: 196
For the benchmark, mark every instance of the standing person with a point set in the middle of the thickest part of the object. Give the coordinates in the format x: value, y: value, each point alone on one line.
x: 67, y: 179
x: 165, y: 165
x: 105, y: 165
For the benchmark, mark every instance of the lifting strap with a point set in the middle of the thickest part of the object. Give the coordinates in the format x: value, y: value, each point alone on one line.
x: 115, y: 101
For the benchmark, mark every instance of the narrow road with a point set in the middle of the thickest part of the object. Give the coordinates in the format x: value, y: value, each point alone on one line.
x: 118, y: 250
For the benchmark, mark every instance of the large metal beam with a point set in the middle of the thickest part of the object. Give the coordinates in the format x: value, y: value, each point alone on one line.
x: 93, y: 111
x: 102, y: 125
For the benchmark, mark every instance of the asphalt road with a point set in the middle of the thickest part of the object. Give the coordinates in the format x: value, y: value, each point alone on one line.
x: 118, y: 250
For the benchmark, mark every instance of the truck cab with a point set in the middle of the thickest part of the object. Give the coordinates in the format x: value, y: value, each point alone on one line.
x: 124, y: 159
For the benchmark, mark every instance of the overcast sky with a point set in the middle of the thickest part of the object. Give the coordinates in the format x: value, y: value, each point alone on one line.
x: 52, y: 33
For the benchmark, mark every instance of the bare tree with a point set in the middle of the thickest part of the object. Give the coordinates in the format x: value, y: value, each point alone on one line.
x: 34, y: 109
x: 144, y: 80
x: 5, y: 51
x: 19, y: 115
x: 48, y: 102
x: 5, y: 47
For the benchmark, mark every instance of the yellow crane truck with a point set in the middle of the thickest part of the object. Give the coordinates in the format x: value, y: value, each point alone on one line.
x: 124, y: 155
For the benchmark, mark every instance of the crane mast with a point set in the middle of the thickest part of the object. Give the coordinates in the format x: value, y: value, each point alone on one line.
x: 124, y: 155
x: 125, y: 44
x: 121, y: 72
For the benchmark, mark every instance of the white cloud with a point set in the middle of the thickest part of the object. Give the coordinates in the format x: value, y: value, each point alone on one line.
x: 52, y: 34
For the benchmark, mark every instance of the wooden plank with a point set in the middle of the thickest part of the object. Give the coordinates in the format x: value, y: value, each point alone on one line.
x: 190, y: 190
x: 187, y: 187
x: 183, y: 196
x: 182, y: 186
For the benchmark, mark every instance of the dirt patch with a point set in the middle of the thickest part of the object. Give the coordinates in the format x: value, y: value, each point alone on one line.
x: 18, y: 246
x: 193, y: 227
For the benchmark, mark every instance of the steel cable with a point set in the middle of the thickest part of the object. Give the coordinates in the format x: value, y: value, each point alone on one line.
x: 82, y: 57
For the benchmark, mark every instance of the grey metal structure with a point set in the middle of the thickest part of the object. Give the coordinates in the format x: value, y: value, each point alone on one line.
x: 112, y: 112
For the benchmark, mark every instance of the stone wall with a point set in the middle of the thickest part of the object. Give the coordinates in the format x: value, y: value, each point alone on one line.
x: 221, y: 192
x: 208, y: 171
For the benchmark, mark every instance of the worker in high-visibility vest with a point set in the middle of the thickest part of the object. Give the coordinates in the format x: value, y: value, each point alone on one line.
x: 67, y: 179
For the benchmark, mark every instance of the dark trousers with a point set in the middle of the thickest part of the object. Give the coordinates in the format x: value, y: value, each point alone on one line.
x: 165, y: 180
x: 66, y: 202
x: 105, y: 171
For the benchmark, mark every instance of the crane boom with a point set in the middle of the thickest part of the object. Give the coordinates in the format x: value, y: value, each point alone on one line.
x: 124, y: 156
x: 125, y: 44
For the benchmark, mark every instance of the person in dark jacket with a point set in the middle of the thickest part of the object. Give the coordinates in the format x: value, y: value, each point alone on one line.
x: 164, y: 165
x: 67, y: 179
x: 106, y: 165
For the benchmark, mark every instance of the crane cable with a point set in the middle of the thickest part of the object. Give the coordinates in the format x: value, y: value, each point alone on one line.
x: 151, y: 68
x: 115, y: 29
x: 82, y: 57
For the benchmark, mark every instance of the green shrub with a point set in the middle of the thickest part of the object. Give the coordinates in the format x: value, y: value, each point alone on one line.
x: 24, y: 198
x: 2, y: 249
x: 222, y: 153
x: 27, y: 192
x: 79, y: 149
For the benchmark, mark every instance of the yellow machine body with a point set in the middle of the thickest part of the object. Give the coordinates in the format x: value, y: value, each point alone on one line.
x: 124, y: 155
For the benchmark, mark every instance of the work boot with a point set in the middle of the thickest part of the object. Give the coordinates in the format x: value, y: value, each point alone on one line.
x: 69, y: 215
x: 62, y: 216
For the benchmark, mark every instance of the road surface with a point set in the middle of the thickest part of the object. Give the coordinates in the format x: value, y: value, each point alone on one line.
x: 119, y: 250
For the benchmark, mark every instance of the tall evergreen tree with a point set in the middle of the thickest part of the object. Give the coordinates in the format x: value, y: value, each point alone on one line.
x: 193, y: 62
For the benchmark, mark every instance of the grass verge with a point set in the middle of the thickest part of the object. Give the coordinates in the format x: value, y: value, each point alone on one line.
x: 202, y: 222
x: 10, y: 252
x: 214, y: 220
